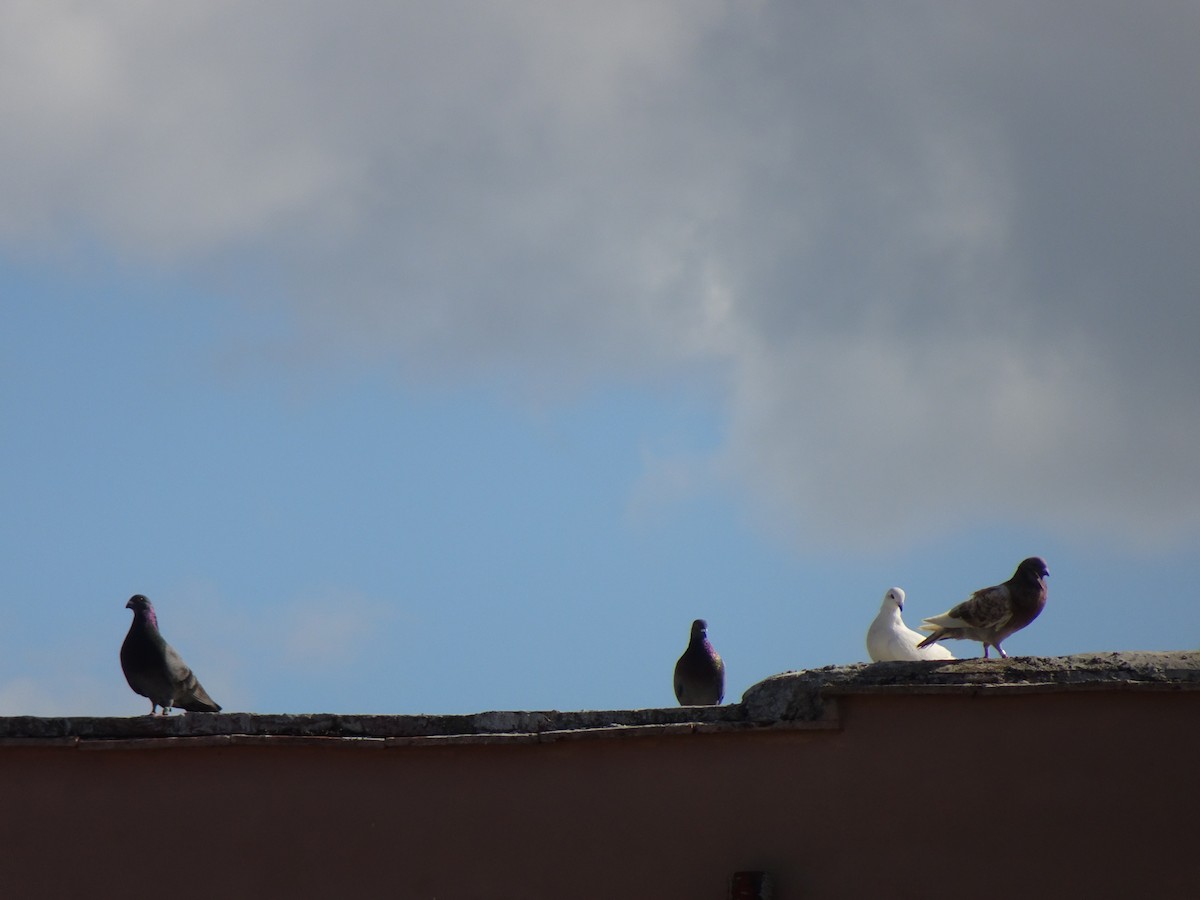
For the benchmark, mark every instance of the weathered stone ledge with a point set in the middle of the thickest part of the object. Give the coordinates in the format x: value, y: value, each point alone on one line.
x: 789, y: 701
x: 803, y: 694
x: 350, y: 727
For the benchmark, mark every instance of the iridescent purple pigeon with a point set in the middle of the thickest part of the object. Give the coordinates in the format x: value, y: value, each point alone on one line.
x: 153, y: 668
x: 700, y: 672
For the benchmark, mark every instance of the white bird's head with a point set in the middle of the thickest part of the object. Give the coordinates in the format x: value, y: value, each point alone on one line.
x: 894, y: 596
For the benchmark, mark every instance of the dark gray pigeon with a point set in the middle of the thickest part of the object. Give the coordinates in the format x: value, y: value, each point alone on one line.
x: 153, y: 668
x: 993, y: 613
x: 700, y: 672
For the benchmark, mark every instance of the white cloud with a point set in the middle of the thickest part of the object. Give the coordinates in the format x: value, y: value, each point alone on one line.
x: 866, y: 439
x: 57, y: 696
x: 320, y: 627
x: 945, y: 254
x: 328, y: 629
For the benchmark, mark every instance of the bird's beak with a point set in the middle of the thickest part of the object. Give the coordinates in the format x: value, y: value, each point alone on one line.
x: 129, y: 604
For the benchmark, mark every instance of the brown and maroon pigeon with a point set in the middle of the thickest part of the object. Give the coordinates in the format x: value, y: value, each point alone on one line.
x: 153, y: 668
x: 993, y: 613
x: 700, y: 672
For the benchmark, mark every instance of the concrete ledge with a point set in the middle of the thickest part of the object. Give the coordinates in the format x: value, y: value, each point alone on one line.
x: 372, y: 732
x: 191, y: 726
x: 803, y: 694
x: 803, y: 700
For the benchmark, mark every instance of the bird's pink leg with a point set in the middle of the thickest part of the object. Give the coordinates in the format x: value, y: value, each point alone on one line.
x: 985, y: 651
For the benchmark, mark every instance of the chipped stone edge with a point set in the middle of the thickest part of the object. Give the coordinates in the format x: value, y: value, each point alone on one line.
x: 788, y: 702
x: 678, y: 729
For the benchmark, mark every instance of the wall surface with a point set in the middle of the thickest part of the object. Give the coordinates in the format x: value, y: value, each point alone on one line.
x: 1071, y: 793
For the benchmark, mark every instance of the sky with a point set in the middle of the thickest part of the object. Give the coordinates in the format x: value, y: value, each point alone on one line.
x: 439, y: 358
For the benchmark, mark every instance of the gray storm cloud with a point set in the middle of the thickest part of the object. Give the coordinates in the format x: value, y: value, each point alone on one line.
x: 944, y: 255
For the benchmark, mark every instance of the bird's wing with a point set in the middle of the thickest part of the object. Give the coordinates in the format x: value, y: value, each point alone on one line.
x: 933, y: 651
x: 986, y: 608
x: 877, y: 640
x: 886, y: 641
x: 180, y: 674
x: 900, y: 647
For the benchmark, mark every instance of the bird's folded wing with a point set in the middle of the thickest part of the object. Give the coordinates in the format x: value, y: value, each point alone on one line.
x: 987, y: 608
x: 180, y: 673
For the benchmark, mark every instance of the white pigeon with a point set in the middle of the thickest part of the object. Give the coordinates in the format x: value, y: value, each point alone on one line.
x: 888, y: 638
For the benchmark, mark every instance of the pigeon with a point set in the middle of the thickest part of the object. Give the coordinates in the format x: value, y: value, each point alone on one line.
x: 889, y: 639
x: 993, y: 613
x: 700, y: 672
x: 153, y: 668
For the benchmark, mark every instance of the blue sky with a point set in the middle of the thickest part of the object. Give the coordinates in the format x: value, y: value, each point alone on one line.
x: 441, y: 361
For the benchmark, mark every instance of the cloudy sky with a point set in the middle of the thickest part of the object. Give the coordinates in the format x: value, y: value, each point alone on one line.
x: 446, y: 357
